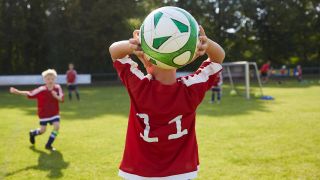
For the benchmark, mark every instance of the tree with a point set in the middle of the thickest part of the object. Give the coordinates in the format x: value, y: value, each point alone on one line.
x: 40, y: 34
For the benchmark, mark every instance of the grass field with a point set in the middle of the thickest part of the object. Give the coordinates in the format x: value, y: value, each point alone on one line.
x: 238, y: 139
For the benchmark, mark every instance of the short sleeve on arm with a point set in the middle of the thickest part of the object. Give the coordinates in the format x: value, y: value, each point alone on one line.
x: 129, y: 73
x: 34, y: 93
x: 203, y: 79
x: 60, y: 92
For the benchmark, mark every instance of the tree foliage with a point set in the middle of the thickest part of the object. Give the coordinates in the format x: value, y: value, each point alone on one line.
x: 38, y: 34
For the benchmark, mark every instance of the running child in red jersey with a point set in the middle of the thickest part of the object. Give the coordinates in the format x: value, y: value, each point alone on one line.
x: 161, y: 139
x: 48, y: 97
x: 264, y: 70
x: 71, y: 77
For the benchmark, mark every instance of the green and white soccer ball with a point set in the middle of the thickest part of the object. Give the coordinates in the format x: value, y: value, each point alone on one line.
x: 169, y: 37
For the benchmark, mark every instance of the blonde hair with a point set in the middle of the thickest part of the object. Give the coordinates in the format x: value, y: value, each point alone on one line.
x: 49, y: 71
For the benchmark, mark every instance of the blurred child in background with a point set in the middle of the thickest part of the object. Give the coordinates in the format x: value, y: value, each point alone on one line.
x: 264, y: 71
x: 71, y: 82
x: 217, y: 90
x: 283, y: 73
x: 299, y: 73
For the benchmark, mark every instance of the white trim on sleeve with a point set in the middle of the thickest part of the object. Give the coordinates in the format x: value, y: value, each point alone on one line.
x: 36, y: 91
x: 203, y: 76
x: 134, y: 68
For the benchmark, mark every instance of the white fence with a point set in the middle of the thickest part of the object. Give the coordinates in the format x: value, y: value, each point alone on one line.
x: 37, y: 79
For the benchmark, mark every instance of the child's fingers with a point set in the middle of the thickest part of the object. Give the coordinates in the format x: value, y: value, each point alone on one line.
x: 134, y: 41
x: 133, y: 46
x: 138, y: 49
x: 201, y: 32
x: 203, y: 39
x: 201, y: 48
x: 138, y: 53
x: 136, y: 34
x: 204, y: 46
x: 201, y: 52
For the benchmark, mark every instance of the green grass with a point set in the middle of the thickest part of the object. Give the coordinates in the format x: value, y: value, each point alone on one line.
x: 238, y: 139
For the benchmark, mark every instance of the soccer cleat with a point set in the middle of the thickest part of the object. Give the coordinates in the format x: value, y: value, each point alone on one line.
x: 50, y: 148
x: 32, y: 137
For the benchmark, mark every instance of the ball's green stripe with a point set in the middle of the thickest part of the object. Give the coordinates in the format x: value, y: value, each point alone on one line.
x: 157, y: 42
x: 182, y: 27
x: 157, y: 17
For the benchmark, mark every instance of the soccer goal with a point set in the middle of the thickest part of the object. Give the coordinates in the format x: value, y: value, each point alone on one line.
x: 241, y: 69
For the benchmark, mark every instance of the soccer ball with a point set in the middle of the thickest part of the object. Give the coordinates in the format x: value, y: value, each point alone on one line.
x: 257, y: 94
x: 169, y: 37
x: 233, y: 92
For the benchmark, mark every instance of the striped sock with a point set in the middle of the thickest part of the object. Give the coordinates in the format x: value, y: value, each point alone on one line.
x: 52, y: 137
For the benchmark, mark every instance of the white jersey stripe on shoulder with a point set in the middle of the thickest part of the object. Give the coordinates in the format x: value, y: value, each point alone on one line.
x: 134, y: 68
x: 203, y: 76
x: 36, y: 91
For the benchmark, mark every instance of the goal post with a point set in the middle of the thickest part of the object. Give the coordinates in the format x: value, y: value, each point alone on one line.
x: 246, y: 73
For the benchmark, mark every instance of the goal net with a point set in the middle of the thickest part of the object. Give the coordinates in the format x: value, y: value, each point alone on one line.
x: 244, y: 72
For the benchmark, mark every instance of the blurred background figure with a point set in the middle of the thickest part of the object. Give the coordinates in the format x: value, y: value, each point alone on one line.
x: 217, y: 90
x: 298, y: 73
x: 283, y: 70
x: 264, y: 71
x: 71, y: 82
x: 283, y: 73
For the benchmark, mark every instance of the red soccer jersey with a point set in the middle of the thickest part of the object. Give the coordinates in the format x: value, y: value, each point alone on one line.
x: 71, y: 76
x: 48, y: 106
x: 161, y: 139
x: 265, y: 68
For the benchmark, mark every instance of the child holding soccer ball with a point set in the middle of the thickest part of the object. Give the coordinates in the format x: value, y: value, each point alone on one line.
x: 161, y: 140
x: 48, y: 97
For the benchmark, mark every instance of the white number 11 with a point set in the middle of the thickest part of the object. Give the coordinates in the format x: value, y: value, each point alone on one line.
x: 145, y: 135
